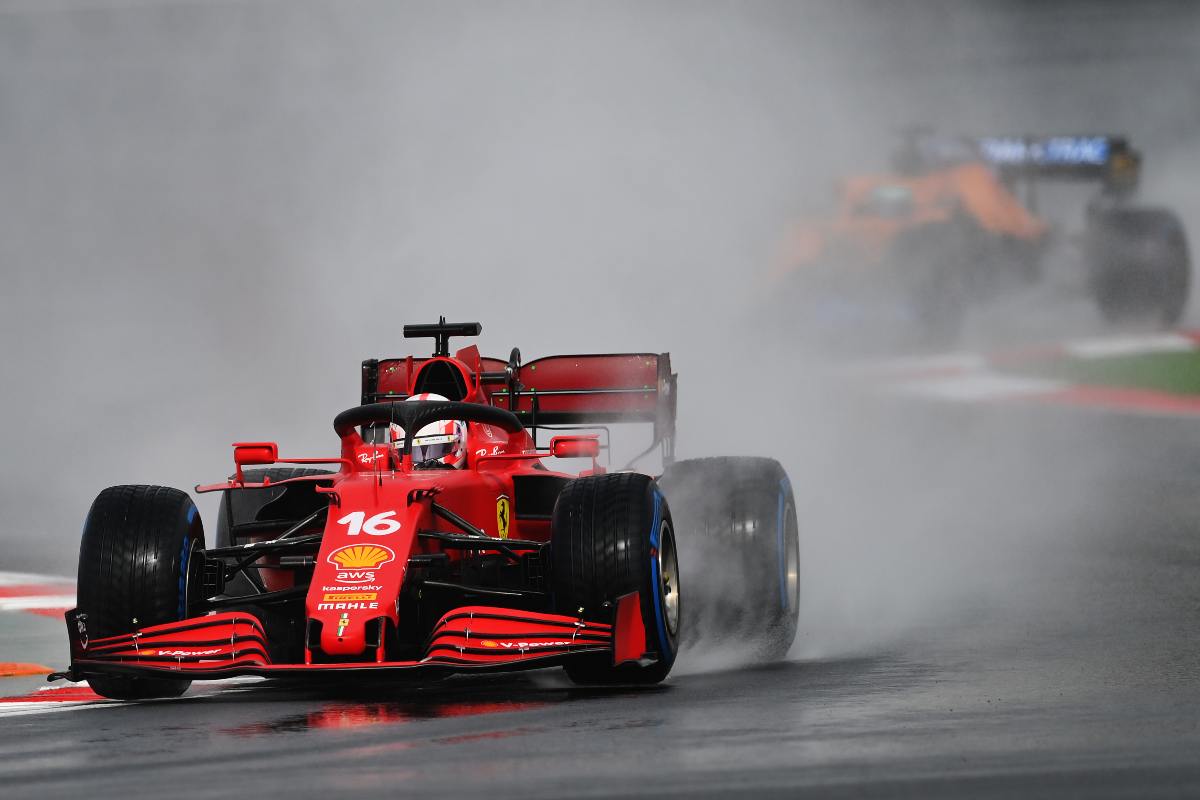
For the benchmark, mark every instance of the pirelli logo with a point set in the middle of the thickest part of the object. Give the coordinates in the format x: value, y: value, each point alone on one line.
x: 349, y: 597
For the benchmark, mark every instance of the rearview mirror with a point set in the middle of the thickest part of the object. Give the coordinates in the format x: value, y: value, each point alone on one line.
x: 575, y: 446
x: 253, y: 453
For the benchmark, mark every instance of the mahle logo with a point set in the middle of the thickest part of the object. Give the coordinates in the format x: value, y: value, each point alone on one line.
x: 361, y: 556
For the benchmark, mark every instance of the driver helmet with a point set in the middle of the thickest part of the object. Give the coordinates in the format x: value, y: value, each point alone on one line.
x: 443, y: 442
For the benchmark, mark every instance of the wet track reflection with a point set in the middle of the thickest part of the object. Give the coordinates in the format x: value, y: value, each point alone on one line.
x: 347, y: 715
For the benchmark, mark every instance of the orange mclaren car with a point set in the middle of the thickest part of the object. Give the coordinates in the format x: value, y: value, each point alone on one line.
x: 949, y: 224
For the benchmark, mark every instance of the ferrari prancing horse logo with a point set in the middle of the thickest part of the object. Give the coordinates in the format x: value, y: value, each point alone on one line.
x: 503, y: 515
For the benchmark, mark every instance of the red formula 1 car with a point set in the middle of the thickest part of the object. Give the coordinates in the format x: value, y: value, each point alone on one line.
x: 441, y: 543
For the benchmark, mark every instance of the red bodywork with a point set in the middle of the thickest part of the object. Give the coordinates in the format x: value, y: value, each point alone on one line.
x: 381, y: 522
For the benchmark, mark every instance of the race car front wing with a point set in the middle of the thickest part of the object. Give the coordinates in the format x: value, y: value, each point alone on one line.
x: 468, y: 639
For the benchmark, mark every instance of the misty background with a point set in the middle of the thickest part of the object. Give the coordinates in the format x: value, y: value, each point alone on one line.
x: 211, y: 212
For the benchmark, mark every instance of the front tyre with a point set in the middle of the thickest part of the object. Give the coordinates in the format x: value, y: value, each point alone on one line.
x: 612, y: 535
x: 132, y: 573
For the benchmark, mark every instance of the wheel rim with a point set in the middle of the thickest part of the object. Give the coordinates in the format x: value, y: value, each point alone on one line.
x: 668, y: 578
x: 792, y: 574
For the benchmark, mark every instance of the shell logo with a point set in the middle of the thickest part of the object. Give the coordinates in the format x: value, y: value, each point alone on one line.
x: 489, y: 643
x: 361, y: 556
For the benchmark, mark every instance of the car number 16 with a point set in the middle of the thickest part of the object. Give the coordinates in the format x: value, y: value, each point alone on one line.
x: 378, y: 525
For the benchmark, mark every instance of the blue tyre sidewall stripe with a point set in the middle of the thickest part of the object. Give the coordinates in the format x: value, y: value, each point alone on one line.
x: 185, y: 554
x: 656, y: 586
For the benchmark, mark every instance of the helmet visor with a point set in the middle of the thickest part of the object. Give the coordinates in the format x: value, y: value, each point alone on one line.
x: 434, y: 446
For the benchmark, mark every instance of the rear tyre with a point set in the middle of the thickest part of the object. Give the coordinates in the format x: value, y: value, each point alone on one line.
x: 1139, y: 263
x: 132, y: 573
x: 613, y: 535
x: 736, y: 521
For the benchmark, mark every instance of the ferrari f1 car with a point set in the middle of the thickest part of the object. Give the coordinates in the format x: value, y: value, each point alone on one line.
x: 957, y: 220
x: 442, y: 543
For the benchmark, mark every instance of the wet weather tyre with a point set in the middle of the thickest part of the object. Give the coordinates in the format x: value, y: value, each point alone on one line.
x: 612, y: 535
x: 133, y: 562
x: 735, y: 518
x: 1139, y: 264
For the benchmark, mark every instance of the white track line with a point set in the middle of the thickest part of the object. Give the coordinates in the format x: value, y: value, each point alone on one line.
x: 34, y: 704
x: 967, y: 377
x: 980, y: 385
x: 38, y: 592
x: 51, y: 707
x: 37, y: 601
x: 28, y: 578
x: 939, y: 365
x: 1129, y: 345
x: 901, y: 368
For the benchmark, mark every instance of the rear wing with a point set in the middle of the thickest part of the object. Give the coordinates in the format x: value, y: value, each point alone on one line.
x: 1109, y: 159
x: 555, y: 391
x: 566, y: 390
x: 595, y: 389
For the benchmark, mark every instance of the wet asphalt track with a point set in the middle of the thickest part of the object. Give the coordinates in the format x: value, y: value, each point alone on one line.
x: 1081, y: 676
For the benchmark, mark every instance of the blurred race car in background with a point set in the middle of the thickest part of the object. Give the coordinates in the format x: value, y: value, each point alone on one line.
x: 957, y: 221
x: 442, y: 543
